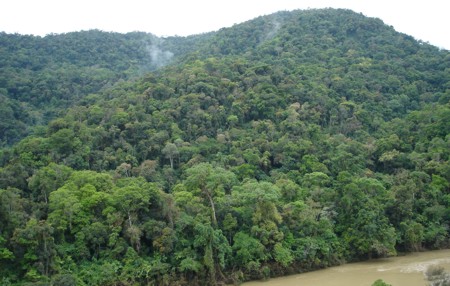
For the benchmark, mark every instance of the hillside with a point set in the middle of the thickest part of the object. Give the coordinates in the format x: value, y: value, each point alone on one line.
x: 42, y: 76
x: 287, y: 143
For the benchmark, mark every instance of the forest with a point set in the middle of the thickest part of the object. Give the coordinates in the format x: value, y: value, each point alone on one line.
x: 288, y: 143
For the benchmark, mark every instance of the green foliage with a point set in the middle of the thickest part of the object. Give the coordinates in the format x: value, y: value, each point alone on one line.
x: 364, y: 226
x: 380, y: 282
x: 291, y: 142
x: 249, y: 253
x: 48, y: 179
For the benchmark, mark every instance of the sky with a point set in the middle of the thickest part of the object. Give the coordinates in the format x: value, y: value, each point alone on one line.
x: 424, y: 20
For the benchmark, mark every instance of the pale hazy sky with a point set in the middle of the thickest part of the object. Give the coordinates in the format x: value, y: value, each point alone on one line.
x: 428, y: 21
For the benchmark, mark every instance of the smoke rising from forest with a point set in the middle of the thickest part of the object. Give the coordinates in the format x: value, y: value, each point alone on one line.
x: 159, y: 57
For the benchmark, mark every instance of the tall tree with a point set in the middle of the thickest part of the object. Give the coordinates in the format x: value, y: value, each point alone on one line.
x: 210, y: 182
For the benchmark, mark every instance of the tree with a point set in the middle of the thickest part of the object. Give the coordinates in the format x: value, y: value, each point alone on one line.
x: 170, y: 151
x: 363, y: 223
x: 39, y: 251
x: 229, y: 224
x: 412, y: 235
x: 80, y: 201
x: 48, y: 179
x: 12, y: 210
x: 148, y: 170
x: 210, y: 182
x: 256, y: 202
x: 5, y: 253
x: 215, y: 249
x: 282, y: 255
x: 132, y: 197
x: 248, y: 252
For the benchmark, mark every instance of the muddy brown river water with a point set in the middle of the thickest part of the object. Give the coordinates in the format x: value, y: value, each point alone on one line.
x: 405, y: 270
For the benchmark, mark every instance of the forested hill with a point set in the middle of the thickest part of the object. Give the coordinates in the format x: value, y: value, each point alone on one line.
x: 287, y: 143
x: 42, y: 76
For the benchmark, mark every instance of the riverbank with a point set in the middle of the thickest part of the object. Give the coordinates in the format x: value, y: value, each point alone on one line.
x: 401, y: 270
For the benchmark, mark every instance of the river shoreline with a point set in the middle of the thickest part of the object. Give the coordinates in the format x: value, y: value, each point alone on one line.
x: 404, y: 269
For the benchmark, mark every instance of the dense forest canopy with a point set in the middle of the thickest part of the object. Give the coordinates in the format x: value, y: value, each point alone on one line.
x: 41, y: 77
x: 291, y: 142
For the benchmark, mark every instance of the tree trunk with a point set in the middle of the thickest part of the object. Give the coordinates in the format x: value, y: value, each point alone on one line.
x: 129, y: 219
x: 213, y: 208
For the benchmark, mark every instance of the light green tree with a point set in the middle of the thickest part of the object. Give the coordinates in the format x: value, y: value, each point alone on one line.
x: 210, y: 182
x: 170, y: 151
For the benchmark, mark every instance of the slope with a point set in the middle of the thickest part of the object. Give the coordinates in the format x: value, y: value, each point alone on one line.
x: 41, y: 76
x: 287, y: 143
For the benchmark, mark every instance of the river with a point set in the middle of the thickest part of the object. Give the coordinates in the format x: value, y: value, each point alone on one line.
x: 405, y: 270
